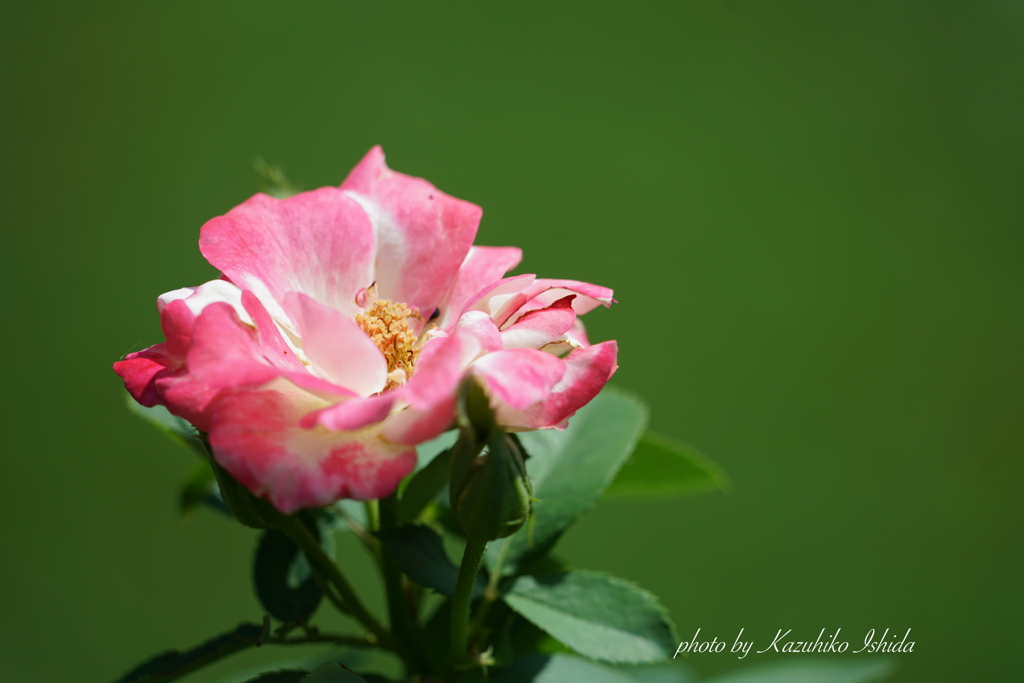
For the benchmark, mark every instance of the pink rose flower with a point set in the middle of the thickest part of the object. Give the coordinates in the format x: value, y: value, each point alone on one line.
x: 341, y: 328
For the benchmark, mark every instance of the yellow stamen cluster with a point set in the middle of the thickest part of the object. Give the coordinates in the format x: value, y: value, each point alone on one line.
x: 387, y: 324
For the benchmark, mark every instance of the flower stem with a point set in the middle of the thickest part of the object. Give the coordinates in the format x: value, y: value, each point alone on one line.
x: 491, y: 593
x: 462, y: 598
x: 298, y: 532
x: 400, y: 615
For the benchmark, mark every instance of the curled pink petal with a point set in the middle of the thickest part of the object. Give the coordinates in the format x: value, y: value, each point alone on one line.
x: 519, y: 378
x: 140, y: 369
x: 586, y: 372
x: 542, y: 293
x: 355, y: 413
x: 540, y: 327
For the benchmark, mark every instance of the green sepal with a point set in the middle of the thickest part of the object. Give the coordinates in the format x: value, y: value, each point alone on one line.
x: 490, y: 492
x: 250, y: 510
x: 496, y: 499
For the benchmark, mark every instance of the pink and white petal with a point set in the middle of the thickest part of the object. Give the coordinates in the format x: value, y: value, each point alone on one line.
x: 320, y: 243
x: 255, y: 435
x: 439, y: 369
x: 519, y: 378
x: 423, y: 234
x: 576, y: 338
x: 338, y: 348
x: 482, y: 267
x: 540, y: 327
x: 227, y: 353
x: 413, y: 426
x: 496, y: 296
x: 275, y: 344
x: 198, y: 298
x: 544, y: 292
x: 354, y: 413
x: 479, y: 325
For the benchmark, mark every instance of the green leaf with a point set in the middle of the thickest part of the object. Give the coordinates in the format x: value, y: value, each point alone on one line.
x: 661, y: 467
x: 174, y: 428
x: 427, y: 451
x: 424, y: 487
x: 596, y: 615
x: 570, y: 469
x: 812, y: 671
x: 284, y: 583
x: 559, y: 668
x: 333, y: 672
x: 200, y: 488
x: 172, y: 665
x: 419, y: 552
x: 280, y: 676
x: 669, y: 672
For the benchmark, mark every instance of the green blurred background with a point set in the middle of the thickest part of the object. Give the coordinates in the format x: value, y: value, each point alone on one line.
x: 811, y: 214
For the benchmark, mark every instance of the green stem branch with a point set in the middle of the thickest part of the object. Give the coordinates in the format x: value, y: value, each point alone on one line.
x: 462, y: 598
x: 298, y: 532
x: 491, y: 593
x: 402, y: 620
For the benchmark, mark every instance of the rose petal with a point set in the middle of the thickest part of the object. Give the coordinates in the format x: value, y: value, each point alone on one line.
x: 354, y: 413
x: 413, y: 426
x: 139, y: 369
x: 482, y: 267
x: 319, y: 243
x: 542, y: 326
x: 543, y: 293
x: 519, y: 378
x: 338, y: 348
x: 255, y: 435
x: 439, y: 369
x: 586, y: 373
x: 423, y: 234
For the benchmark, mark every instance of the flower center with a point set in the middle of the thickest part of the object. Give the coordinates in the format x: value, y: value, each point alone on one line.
x: 387, y: 324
